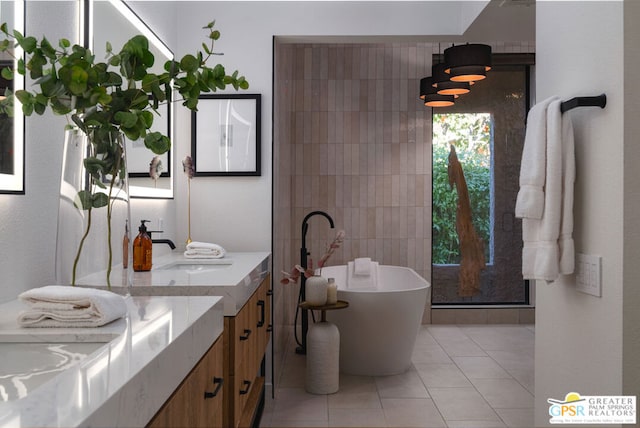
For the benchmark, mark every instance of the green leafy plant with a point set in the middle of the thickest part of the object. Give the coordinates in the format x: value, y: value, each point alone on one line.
x: 471, y: 135
x: 105, y: 100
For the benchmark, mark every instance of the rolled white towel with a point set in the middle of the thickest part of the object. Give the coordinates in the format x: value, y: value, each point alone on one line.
x: 362, y: 266
x: 197, y: 249
x: 66, y: 306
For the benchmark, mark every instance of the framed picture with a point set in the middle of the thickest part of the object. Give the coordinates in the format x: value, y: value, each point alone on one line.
x: 225, y: 135
x: 139, y: 157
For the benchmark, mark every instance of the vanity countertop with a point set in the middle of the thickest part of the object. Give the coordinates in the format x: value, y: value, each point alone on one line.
x: 235, y: 277
x: 125, y: 381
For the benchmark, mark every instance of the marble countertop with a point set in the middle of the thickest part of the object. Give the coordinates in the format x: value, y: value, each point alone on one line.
x: 235, y: 277
x: 126, y: 380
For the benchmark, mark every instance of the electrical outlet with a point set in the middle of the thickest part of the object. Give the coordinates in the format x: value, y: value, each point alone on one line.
x: 589, y: 274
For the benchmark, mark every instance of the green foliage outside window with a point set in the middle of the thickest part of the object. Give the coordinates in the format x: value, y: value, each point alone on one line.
x: 470, y: 133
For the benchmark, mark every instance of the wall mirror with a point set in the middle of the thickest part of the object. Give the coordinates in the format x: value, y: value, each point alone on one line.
x: 12, y: 125
x: 113, y: 21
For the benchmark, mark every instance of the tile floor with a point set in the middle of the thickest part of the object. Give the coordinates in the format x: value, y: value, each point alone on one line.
x: 462, y: 376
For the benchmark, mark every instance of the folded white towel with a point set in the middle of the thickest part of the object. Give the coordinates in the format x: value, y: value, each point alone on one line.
x: 190, y: 254
x: 360, y: 281
x: 66, y: 306
x: 196, y: 249
x: 362, y: 266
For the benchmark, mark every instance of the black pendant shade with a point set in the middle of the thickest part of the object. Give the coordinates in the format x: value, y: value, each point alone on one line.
x: 432, y: 98
x: 467, y: 63
x: 463, y: 66
x: 444, y: 86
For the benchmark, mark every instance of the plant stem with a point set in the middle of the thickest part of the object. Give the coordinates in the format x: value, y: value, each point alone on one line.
x: 114, y: 176
x: 86, y: 233
x: 189, y: 211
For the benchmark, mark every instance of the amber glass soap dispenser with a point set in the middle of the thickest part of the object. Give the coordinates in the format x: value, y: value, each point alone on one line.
x: 142, y: 246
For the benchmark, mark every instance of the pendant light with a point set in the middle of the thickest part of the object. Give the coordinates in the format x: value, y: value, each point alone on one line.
x: 467, y: 63
x: 431, y: 97
x: 444, y: 86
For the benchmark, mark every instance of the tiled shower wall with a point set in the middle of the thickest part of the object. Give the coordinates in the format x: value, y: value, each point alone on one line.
x: 351, y: 138
x: 354, y: 141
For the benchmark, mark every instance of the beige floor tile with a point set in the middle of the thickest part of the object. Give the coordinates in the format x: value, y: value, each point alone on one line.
x: 354, y: 400
x: 501, y: 337
x: 475, y: 424
x: 297, y: 404
x: 356, y: 392
x: 293, y: 424
x: 420, y: 412
x: 432, y: 354
x: 460, y: 404
x: 517, y: 418
x: 475, y: 376
x: 480, y: 368
x: 356, y: 418
x: 441, y: 375
x: 504, y: 393
x: 405, y: 385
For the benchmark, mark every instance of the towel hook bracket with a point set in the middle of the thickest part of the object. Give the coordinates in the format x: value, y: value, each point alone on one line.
x: 597, y: 101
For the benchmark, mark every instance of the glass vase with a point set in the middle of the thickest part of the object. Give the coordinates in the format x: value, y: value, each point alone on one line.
x: 94, y: 213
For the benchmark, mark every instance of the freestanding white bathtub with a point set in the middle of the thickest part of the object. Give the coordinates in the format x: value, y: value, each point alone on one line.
x: 379, y: 328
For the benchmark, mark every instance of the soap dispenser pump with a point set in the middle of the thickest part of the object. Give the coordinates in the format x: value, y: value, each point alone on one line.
x: 142, y: 247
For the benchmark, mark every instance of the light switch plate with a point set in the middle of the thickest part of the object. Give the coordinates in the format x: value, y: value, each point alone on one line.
x: 589, y: 274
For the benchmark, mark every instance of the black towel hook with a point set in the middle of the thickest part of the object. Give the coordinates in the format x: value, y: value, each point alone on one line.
x: 597, y: 101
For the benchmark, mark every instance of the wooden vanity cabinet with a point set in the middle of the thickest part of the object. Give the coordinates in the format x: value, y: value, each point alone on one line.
x: 246, y: 337
x: 198, y: 401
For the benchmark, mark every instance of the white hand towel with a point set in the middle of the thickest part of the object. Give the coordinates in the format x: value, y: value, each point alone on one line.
x: 530, y: 199
x: 362, y: 266
x: 360, y: 281
x: 196, y: 249
x: 66, y: 306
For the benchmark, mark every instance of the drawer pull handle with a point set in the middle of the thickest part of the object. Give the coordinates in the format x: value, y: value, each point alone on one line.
x: 270, y: 328
x: 246, y: 334
x: 247, y: 387
x: 218, y: 381
x: 261, y: 304
x: 270, y: 292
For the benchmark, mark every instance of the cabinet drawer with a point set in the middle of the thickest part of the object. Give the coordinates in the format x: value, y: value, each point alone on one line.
x: 198, y: 401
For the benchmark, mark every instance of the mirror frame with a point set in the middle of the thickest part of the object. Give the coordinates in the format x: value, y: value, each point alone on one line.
x: 15, y: 183
x: 136, y: 191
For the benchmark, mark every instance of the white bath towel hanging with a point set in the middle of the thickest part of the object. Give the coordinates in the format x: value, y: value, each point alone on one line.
x: 530, y: 199
x: 548, y: 243
x: 66, y: 306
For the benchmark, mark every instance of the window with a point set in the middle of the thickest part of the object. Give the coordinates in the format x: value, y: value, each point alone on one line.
x: 487, y: 128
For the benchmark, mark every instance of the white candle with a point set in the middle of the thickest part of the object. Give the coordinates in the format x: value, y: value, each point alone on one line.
x: 332, y: 292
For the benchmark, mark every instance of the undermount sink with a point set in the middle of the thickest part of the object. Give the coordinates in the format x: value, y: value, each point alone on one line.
x: 197, y: 265
x: 27, y: 365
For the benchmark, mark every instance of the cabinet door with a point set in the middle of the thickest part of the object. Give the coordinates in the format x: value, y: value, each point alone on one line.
x: 197, y: 402
x: 207, y: 390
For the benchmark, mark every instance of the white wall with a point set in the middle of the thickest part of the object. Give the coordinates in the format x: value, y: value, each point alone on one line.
x: 631, y: 292
x: 28, y: 222
x: 236, y: 212
x: 579, y: 340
